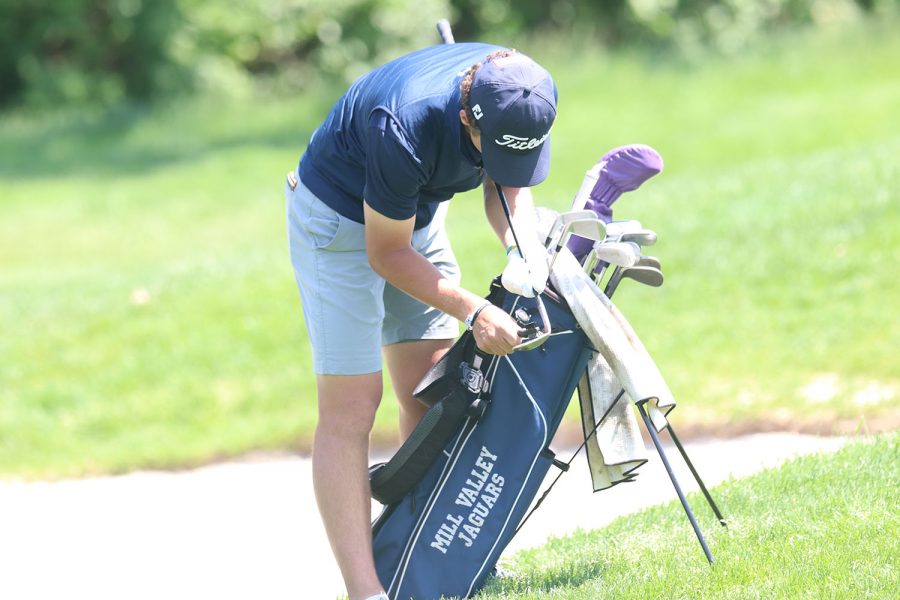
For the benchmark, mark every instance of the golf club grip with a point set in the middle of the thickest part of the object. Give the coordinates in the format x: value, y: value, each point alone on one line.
x: 443, y: 27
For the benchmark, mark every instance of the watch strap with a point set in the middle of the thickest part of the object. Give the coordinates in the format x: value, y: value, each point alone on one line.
x: 470, y: 320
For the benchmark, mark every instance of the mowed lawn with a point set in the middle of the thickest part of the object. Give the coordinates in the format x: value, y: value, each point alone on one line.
x: 818, y: 527
x: 149, y: 315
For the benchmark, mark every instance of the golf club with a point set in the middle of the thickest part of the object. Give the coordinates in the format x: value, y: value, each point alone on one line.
x: 644, y: 237
x: 630, y: 231
x: 650, y: 261
x: 615, y: 229
x: 642, y: 274
x: 562, y: 221
x: 622, y: 254
x: 536, y: 336
x: 624, y: 231
x: 583, y: 223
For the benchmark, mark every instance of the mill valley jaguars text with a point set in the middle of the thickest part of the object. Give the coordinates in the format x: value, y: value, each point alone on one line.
x: 475, y: 499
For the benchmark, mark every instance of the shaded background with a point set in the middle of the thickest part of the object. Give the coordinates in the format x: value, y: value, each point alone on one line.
x: 107, y: 51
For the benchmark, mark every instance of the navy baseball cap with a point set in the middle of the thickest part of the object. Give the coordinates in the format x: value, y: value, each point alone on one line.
x: 513, y: 100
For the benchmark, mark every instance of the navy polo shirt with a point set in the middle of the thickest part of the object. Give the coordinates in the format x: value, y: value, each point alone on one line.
x: 394, y: 138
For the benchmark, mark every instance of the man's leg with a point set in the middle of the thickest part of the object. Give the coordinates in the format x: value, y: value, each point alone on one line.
x: 347, y: 405
x: 407, y: 363
x: 343, y: 311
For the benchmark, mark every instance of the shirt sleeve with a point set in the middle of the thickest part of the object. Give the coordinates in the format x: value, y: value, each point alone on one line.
x: 394, y: 174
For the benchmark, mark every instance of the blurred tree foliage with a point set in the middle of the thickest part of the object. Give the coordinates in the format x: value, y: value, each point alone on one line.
x: 105, y: 51
x: 296, y: 43
x: 86, y: 50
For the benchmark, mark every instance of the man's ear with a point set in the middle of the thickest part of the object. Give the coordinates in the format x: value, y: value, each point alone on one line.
x: 463, y: 118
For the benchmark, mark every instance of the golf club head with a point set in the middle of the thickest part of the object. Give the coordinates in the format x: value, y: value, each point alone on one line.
x: 644, y: 274
x: 581, y: 222
x: 540, y: 336
x: 647, y: 275
x: 592, y: 229
x: 587, y: 231
x: 563, y: 220
x: 621, y: 254
x: 615, y: 229
x: 642, y: 237
x: 649, y: 261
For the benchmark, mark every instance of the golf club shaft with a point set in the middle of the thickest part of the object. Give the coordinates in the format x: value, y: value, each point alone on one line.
x: 613, y: 282
x: 508, y: 214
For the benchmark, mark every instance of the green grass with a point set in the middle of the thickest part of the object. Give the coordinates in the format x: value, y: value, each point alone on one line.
x: 149, y: 315
x: 818, y: 527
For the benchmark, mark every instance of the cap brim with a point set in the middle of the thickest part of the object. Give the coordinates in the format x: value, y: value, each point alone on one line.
x: 513, y: 169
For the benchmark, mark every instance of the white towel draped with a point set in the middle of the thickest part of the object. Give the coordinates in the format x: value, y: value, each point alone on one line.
x: 616, y: 449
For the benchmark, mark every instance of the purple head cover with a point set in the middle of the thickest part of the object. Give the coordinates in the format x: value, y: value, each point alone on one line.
x: 620, y: 170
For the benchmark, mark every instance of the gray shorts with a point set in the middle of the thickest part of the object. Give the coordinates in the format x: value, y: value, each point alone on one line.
x: 349, y: 310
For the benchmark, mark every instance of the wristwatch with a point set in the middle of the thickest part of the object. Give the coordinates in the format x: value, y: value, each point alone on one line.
x: 470, y: 320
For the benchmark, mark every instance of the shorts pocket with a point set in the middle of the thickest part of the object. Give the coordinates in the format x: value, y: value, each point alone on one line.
x: 322, y: 230
x: 332, y: 231
x: 350, y: 236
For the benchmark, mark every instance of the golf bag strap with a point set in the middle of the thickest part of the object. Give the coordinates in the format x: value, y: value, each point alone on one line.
x: 452, y: 389
x: 394, y: 479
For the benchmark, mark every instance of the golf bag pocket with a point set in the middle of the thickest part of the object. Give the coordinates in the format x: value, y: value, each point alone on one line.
x: 444, y: 537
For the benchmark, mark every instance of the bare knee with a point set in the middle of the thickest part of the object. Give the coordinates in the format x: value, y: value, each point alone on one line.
x: 408, y: 362
x: 347, y: 404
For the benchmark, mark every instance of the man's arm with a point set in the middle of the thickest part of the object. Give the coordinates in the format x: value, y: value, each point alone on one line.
x: 391, y: 256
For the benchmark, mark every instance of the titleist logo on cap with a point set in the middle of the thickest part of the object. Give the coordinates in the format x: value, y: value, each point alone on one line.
x: 515, y: 142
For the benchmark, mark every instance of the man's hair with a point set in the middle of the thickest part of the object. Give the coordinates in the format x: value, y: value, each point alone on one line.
x: 465, y: 86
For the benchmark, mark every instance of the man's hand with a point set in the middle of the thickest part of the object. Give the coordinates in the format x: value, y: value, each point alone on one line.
x: 526, y: 279
x: 495, y: 331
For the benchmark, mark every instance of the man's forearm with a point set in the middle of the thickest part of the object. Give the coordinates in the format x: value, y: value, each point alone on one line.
x: 409, y: 271
x: 392, y: 257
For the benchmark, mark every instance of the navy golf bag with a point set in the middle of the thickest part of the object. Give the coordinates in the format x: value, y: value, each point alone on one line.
x: 457, y: 490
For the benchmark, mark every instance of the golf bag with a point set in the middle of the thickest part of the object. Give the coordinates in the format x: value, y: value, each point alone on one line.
x: 457, y: 490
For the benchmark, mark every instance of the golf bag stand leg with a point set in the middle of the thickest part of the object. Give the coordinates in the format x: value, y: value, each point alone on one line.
x: 696, y: 475
x: 687, y: 507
